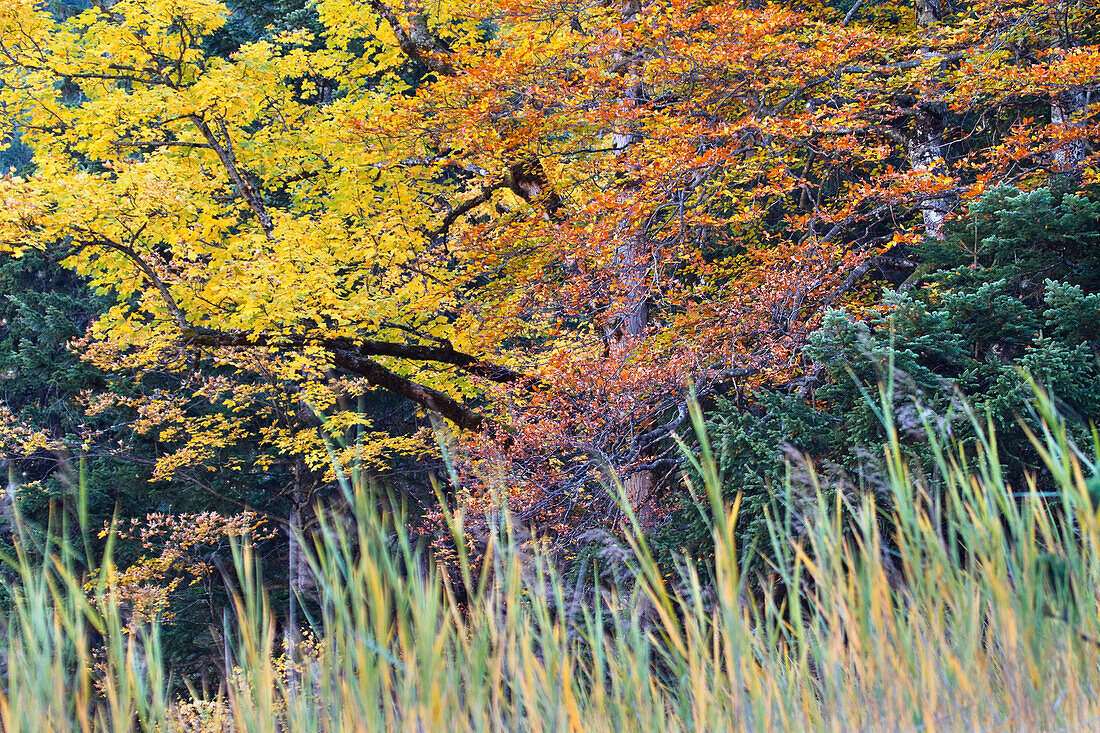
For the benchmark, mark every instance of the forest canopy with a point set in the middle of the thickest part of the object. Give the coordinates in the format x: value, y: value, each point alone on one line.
x: 282, y: 236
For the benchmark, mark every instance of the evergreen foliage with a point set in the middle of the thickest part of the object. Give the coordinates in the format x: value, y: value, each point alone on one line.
x: 1013, y: 293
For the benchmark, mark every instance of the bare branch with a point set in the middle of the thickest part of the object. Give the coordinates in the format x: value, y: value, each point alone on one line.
x: 463, y: 417
x: 362, y: 349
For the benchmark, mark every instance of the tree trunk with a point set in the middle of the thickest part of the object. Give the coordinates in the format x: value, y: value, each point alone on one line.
x: 925, y: 151
x: 630, y: 324
x: 1068, y: 154
x: 7, y: 504
x: 295, y: 580
x: 925, y: 142
x: 927, y: 12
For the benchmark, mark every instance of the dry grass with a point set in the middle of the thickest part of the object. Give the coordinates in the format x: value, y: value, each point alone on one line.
x: 976, y: 611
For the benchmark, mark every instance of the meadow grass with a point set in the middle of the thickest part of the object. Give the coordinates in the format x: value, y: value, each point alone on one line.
x: 964, y: 605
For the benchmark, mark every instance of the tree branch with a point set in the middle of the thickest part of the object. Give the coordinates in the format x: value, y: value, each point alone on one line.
x: 903, y: 65
x: 378, y: 376
x: 239, y: 178
x: 900, y: 263
x: 362, y: 349
x: 128, y: 250
x: 464, y: 208
x: 157, y: 144
x: 414, y: 50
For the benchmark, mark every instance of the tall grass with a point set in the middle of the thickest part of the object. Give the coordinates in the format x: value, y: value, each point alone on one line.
x: 970, y: 605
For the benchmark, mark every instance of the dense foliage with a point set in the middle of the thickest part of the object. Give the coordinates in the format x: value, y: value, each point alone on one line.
x: 1011, y: 294
x: 249, y: 246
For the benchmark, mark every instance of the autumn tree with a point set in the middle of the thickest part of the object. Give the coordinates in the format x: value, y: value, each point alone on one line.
x: 538, y: 221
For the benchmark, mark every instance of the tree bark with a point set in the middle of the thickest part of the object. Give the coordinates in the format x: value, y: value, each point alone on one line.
x: 292, y: 638
x: 7, y: 501
x: 631, y: 255
x: 925, y: 140
x: 1065, y: 109
x: 632, y: 262
x: 925, y: 152
x: 927, y: 13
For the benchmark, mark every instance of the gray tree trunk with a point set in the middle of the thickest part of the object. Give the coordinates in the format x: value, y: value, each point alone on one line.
x: 926, y: 154
x: 927, y: 12
x: 925, y: 141
x: 1065, y: 109
x: 632, y: 262
x: 296, y: 577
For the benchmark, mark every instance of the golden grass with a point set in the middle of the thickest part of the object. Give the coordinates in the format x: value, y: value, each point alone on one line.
x: 974, y: 609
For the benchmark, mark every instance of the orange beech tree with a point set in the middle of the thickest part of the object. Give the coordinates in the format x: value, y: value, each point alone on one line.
x: 541, y: 221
